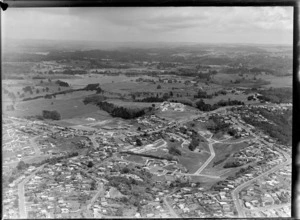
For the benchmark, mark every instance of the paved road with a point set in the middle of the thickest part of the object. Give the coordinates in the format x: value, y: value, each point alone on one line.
x: 236, y: 191
x: 36, y: 148
x: 100, y: 192
x: 21, y: 193
x: 211, y: 157
x: 199, y: 175
x: 94, y: 142
x: 268, y: 207
x: 171, y: 210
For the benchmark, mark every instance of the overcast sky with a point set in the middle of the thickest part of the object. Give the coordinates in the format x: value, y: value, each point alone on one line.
x: 164, y: 24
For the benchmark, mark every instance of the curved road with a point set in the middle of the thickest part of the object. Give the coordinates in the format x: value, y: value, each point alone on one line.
x: 211, y: 157
x: 236, y: 191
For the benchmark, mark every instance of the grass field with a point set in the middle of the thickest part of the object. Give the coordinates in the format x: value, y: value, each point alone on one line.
x: 176, y: 115
x: 222, y: 153
x: 69, y: 108
x: 192, y: 161
x: 135, y: 158
x: 276, y: 81
x: 103, y: 80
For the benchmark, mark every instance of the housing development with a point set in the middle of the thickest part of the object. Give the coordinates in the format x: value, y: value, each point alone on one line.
x: 146, y: 131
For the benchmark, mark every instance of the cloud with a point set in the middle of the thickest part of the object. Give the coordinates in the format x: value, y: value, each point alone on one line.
x: 236, y: 24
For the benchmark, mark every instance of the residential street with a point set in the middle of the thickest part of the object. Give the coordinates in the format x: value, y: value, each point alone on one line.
x: 21, y: 193
x: 236, y: 191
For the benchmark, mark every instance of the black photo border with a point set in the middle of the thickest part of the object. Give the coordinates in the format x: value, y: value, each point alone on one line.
x: 201, y: 3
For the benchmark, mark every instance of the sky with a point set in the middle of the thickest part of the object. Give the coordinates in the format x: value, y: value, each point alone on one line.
x: 258, y: 25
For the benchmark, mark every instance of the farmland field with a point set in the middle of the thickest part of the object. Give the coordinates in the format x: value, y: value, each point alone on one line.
x: 276, y: 81
x: 69, y: 108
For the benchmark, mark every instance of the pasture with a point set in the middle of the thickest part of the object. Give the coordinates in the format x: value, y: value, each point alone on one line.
x: 69, y: 108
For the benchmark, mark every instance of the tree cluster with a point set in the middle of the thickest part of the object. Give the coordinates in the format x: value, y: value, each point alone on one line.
x: 174, y: 150
x: 62, y: 83
x: 202, y: 106
x: 202, y: 95
x: 54, y: 115
x: 121, y: 112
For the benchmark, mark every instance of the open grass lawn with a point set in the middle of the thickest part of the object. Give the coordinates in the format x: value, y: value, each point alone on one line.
x: 223, y: 152
x: 66, y: 144
x: 101, y: 119
x: 192, y: 161
x: 196, y: 125
x: 223, y: 149
x: 176, y: 115
x: 135, y: 158
x: 208, y: 182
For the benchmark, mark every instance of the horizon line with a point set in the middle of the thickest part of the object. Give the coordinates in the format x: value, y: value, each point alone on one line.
x: 148, y: 42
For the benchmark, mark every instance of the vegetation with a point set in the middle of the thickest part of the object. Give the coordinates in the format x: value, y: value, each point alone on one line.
x: 280, y: 128
x: 202, y: 95
x: 54, y: 115
x: 139, y: 142
x: 152, y: 99
x: 122, y: 112
x: 196, y: 140
x: 62, y: 83
x: 276, y: 95
x: 93, y: 87
x: 202, y: 106
x: 93, y: 99
x: 174, y: 150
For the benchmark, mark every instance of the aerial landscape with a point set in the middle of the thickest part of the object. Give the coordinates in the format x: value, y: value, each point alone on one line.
x: 168, y: 126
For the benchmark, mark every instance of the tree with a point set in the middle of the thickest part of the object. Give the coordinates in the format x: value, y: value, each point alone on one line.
x: 37, y: 91
x: 125, y: 170
x: 21, y: 165
x: 166, y: 96
x: 93, y: 185
x: 139, y: 128
x: 158, y: 87
x: 47, y: 89
x: 139, y: 142
x: 153, y: 105
x: 174, y: 150
x: 90, y: 164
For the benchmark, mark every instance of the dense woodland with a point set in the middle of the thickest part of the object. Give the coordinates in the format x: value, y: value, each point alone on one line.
x: 280, y: 128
